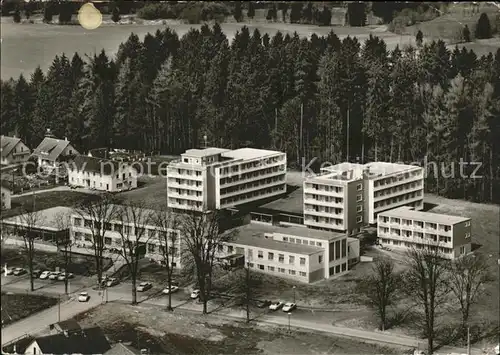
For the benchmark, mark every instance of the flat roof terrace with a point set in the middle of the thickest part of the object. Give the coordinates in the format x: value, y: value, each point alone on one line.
x: 408, y: 213
x: 249, y: 153
x: 259, y: 229
x: 200, y: 153
x: 44, y: 219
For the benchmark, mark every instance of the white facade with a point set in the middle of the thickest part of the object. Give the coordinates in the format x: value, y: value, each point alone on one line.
x: 348, y: 196
x: 251, y: 175
x: 6, y: 198
x: 49, y: 163
x: 406, y: 228
x: 205, y: 179
x: 14, y: 151
x: 124, y: 178
x: 297, y: 253
x: 81, y: 233
x: 335, y: 201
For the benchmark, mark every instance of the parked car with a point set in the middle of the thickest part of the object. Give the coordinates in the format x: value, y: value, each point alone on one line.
x: 144, y: 286
x: 289, y: 306
x: 263, y: 304
x: 172, y: 289
x: 83, y: 297
x: 497, y: 349
x: 63, y: 276
x: 9, y: 271
x: 18, y: 271
x: 45, y: 275
x: 112, y: 282
x: 54, y: 275
x: 274, y: 306
x: 36, y: 273
x: 195, y: 294
x: 418, y: 352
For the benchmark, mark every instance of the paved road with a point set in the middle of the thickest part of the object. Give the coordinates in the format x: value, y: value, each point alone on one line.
x: 59, y: 188
x: 300, y: 318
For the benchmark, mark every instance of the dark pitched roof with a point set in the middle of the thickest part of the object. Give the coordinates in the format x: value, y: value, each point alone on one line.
x: 7, y: 145
x: 69, y: 325
x: 50, y: 148
x: 122, y: 349
x: 97, y: 165
x: 88, y: 341
x: 6, y: 184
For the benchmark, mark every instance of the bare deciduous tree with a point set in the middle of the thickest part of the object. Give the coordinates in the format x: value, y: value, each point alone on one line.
x: 63, y: 222
x: 133, y: 217
x: 27, y: 223
x: 381, y: 287
x: 97, y: 215
x: 426, y: 283
x: 167, y: 226
x: 201, y: 238
x: 467, y: 275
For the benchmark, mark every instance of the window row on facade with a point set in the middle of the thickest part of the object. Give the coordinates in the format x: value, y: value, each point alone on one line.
x: 329, y: 199
x: 253, y: 184
x: 393, y: 200
x: 250, y: 175
x: 249, y: 195
x: 402, y: 187
x: 280, y: 270
x: 409, y: 233
x: 392, y: 179
x: 399, y: 243
x: 186, y: 182
x: 252, y: 165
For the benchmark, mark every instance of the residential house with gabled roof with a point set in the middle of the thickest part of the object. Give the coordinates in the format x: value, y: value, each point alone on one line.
x: 122, y: 349
x: 84, y: 341
x: 102, y: 174
x: 13, y: 150
x: 52, y: 151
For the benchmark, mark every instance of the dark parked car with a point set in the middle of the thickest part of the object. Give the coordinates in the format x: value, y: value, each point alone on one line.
x: 263, y: 304
x: 37, y: 273
x: 18, y: 271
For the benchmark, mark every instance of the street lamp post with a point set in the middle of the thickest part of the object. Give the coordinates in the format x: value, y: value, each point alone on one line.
x: 289, y: 315
x: 247, y: 270
x: 294, y: 287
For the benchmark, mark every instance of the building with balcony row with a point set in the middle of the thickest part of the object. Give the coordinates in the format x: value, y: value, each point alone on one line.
x: 214, y: 178
x: 405, y: 227
x: 345, y: 197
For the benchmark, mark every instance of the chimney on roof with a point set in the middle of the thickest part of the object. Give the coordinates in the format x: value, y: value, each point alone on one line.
x: 66, y: 139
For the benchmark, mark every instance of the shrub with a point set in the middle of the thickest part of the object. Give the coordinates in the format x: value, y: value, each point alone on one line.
x: 483, y: 27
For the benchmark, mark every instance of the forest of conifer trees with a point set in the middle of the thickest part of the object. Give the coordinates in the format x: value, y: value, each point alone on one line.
x: 319, y: 97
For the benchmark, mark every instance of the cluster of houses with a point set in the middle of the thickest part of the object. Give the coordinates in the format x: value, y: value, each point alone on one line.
x: 69, y: 337
x: 101, y: 169
x: 320, y: 240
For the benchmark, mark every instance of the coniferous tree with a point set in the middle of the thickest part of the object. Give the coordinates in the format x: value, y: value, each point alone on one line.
x: 466, y: 34
x: 17, y: 16
x: 115, y: 16
x: 48, y: 12
x: 251, y: 10
x: 483, y: 27
x: 238, y: 12
x: 295, y: 12
x: 24, y: 102
x: 8, y: 107
x: 419, y: 38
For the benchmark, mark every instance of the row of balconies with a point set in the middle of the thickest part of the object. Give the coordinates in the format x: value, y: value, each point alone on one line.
x: 392, y: 205
x: 253, y: 179
x: 394, y: 181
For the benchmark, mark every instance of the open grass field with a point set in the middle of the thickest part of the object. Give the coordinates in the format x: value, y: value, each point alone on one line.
x: 449, y: 25
x: 25, y: 46
x: 80, y: 264
x: 19, y: 306
x: 166, y: 333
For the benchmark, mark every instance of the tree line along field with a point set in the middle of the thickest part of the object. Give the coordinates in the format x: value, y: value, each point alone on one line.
x: 165, y: 93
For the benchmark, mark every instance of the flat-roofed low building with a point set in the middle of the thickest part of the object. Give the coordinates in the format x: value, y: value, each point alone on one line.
x: 293, y: 252
x: 405, y: 227
x: 82, y: 226
x: 43, y: 225
x: 215, y: 178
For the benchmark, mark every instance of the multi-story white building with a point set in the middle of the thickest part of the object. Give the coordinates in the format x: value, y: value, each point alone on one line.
x: 101, y: 174
x: 298, y: 253
x: 404, y: 227
x: 347, y: 196
x: 335, y: 200
x: 214, y: 178
x: 81, y: 233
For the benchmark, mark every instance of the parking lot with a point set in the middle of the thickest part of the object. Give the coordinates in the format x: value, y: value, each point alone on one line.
x: 21, y: 283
